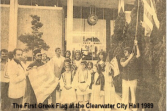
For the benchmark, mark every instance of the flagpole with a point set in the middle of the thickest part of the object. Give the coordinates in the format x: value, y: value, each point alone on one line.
x: 137, y: 19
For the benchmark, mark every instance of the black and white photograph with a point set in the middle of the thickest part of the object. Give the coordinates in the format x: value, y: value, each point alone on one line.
x: 83, y: 55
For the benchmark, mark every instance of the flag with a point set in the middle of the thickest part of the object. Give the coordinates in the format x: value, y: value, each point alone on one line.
x: 43, y: 81
x: 120, y: 6
x: 156, y: 21
x: 115, y: 66
x: 149, y: 17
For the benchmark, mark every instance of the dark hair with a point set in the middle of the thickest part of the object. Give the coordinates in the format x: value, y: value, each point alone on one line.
x: 67, y: 60
x: 10, y: 55
x: 128, y: 49
x: 3, y: 50
x: 14, y: 51
x: 99, y: 68
x: 48, y: 58
x: 57, y: 49
x: 67, y: 52
x: 69, y: 65
x: 84, y: 62
x: 79, y: 52
x: 36, y: 51
x: 90, y: 64
x: 104, y: 55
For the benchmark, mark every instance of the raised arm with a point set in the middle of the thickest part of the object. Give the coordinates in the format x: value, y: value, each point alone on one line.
x: 137, y: 49
x: 125, y: 62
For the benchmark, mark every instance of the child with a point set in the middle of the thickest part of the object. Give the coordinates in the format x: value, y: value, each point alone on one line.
x: 91, y: 72
x: 82, y: 80
x: 66, y: 85
x: 97, y: 96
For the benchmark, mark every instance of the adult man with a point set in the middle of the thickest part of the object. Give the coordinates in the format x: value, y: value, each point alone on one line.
x: 17, y: 75
x: 4, y: 79
x: 38, y: 59
x: 58, y: 66
x: 130, y: 74
x: 30, y: 92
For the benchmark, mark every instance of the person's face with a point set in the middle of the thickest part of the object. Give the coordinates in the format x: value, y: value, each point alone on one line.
x: 82, y: 66
x: 67, y: 69
x: 78, y: 56
x: 44, y: 56
x: 67, y: 55
x: 58, y: 52
x: 24, y: 57
x: 89, y: 66
x: 4, y: 55
x: 126, y: 53
x: 18, y: 55
x: 38, y: 56
x: 66, y: 63
x: 101, y: 56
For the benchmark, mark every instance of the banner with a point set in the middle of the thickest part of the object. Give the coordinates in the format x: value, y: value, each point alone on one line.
x: 115, y: 66
x: 149, y: 17
x: 43, y: 81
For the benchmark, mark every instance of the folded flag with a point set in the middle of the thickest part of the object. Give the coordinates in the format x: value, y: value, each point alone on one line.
x: 43, y: 81
x: 114, y: 64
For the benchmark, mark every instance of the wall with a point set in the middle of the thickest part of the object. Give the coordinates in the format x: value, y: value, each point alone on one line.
x: 51, y: 17
x: 82, y: 28
x: 4, y: 26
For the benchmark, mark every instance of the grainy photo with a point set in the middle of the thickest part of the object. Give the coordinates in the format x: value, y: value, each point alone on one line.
x: 83, y: 55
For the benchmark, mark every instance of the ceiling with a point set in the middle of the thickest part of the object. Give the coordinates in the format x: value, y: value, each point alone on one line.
x: 97, y: 3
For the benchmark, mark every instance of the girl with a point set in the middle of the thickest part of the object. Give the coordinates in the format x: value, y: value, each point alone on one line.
x: 101, y: 60
x: 67, y: 54
x: 66, y: 86
x: 97, y: 96
x: 91, y: 73
x: 82, y: 80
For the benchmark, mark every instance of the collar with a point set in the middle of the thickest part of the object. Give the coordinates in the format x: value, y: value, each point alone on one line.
x: 18, y: 62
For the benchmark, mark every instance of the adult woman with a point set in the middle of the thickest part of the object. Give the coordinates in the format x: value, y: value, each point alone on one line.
x: 67, y: 54
x: 101, y: 60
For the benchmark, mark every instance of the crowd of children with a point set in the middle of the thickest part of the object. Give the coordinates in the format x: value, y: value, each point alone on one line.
x: 83, y: 81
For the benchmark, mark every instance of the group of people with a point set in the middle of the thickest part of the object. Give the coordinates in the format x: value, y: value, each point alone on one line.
x: 79, y: 80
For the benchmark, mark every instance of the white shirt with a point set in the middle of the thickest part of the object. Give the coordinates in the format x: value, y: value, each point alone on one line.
x: 77, y: 63
x: 58, y: 60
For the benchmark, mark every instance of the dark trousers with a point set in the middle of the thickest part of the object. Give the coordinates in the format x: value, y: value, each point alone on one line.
x: 13, y: 103
x: 53, y: 95
x: 5, y: 102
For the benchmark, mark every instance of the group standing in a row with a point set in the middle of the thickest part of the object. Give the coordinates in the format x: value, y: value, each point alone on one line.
x: 80, y: 81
